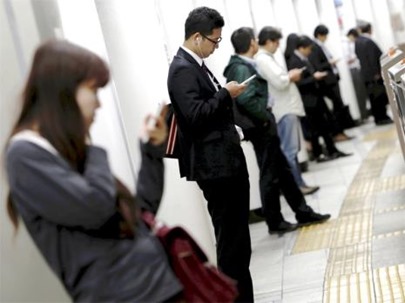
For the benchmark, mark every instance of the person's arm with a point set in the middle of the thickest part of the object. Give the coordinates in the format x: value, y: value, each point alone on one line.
x: 272, y: 72
x: 249, y: 100
x: 150, y: 181
x: 47, y: 186
x: 306, y: 77
x: 186, y: 87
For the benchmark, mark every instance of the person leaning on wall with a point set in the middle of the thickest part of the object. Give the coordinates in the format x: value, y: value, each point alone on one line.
x: 355, y: 72
x: 62, y: 187
x: 322, y: 60
x: 209, y: 145
x: 314, y: 103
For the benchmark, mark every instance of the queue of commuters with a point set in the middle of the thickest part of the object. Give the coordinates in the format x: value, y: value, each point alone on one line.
x: 255, y: 104
x: 52, y: 164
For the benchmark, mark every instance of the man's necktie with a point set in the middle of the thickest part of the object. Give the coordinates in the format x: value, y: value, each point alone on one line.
x: 211, y: 75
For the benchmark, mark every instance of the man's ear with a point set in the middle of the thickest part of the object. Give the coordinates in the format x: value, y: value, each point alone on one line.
x: 197, y: 38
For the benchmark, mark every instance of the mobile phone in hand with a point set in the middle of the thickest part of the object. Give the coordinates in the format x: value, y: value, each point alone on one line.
x: 249, y: 79
x: 161, y: 111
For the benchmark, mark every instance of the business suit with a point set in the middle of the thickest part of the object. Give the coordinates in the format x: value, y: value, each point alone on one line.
x: 211, y: 155
x: 369, y: 55
x: 329, y: 86
x: 314, y: 105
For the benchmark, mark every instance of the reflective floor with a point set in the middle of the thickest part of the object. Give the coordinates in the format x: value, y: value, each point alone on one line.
x: 357, y: 256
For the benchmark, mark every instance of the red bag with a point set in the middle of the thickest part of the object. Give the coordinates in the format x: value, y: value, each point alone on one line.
x: 202, y: 282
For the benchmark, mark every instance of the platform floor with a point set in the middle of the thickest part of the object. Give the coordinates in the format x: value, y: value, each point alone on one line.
x: 357, y: 256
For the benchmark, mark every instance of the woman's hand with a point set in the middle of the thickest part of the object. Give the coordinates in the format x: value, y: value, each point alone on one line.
x: 155, y: 128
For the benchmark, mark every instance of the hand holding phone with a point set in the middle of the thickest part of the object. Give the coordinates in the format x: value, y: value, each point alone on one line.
x: 161, y: 112
x: 249, y: 79
x: 155, y: 128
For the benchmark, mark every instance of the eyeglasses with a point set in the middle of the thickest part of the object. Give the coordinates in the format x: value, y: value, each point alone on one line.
x: 212, y: 40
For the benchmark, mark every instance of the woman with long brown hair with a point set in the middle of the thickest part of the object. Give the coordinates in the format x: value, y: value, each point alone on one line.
x: 65, y: 193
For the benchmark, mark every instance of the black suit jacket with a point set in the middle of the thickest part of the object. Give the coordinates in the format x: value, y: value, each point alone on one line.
x: 369, y: 55
x: 321, y: 63
x: 208, y: 141
x: 308, y: 85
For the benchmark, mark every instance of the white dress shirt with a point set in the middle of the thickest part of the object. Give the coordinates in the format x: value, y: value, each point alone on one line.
x: 287, y: 99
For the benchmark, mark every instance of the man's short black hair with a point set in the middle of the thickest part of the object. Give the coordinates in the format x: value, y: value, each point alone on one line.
x: 241, y: 39
x: 304, y: 41
x: 321, y: 30
x: 203, y: 20
x: 269, y: 33
x: 353, y: 32
x: 365, y: 27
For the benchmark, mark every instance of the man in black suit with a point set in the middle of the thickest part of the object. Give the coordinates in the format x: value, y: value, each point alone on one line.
x: 368, y: 53
x: 209, y: 144
x: 323, y: 61
x: 314, y: 104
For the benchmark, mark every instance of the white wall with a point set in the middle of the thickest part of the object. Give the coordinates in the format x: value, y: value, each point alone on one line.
x: 140, y: 66
x: 139, y: 39
x: 24, y: 276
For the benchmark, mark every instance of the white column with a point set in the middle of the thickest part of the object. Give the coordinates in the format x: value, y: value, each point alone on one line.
x: 82, y: 26
x: 20, y: 261
x: 139, y: 59
x: 382, y: 22
x: 263, y: 13
x: 285, y: 16
x: 307, y: 16
x: 397, y: 14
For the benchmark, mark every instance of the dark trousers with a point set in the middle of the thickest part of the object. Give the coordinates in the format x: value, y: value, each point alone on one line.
x: 332, y: 92
x: 228, y: 205
x: 275, y: 175
x: 319, y: 127
x: 360, y: 89
x: 378, y: 99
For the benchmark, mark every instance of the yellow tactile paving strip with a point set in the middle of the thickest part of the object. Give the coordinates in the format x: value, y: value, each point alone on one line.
x: 349, y: 259
x: 387, y: 134
x: 356, y: 288
x: 349, y: 276
x: 390, y: 283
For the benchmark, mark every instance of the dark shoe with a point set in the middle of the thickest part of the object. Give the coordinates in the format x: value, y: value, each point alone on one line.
x: 282, y: 227
x: 340, y: 154
x: 308, y: 190
x: 254, y: 217
x: 322, y: 158
x: 384, y: 121
x: 311, y: 218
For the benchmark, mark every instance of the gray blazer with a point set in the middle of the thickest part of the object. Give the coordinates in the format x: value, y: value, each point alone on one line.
x: 73, y: 220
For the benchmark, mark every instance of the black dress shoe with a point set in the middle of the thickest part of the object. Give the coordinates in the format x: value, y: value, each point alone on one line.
x: 322, y: 158
x: 308, y: 190
x: 384, y: 121
x: 340, y: 154
x: 311, y: 218
x: 282, y: 227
